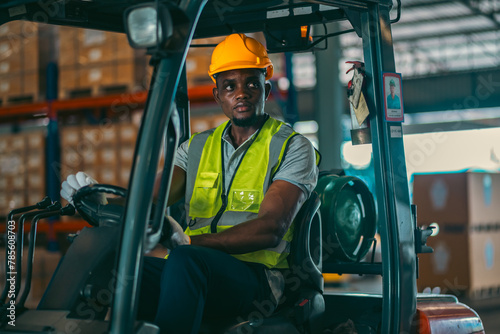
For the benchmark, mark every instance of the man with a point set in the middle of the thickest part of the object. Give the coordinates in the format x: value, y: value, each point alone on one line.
x: 393, y: 101
x: 243, y: 184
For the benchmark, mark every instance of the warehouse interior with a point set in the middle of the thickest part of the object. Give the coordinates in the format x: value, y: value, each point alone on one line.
x: 72, y: 100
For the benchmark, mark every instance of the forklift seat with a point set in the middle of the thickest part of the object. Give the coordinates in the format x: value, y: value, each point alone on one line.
x: 302, y: 305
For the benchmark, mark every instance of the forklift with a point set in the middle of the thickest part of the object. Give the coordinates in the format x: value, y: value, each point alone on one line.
x: 166, y: 29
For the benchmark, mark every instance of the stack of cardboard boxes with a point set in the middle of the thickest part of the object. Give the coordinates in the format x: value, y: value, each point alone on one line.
x: 198, y: 61
x: 22, y: 170
x: 465, y: 206
x: 93, y: 62
x: 19, y: 62
x: 104, y: 152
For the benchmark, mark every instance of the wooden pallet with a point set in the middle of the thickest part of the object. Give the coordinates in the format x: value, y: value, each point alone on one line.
x: 96, y: 90
x: 7, y: 100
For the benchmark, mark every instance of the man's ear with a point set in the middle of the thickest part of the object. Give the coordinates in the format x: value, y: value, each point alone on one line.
x: 215, y: 92
x: 268, y: 89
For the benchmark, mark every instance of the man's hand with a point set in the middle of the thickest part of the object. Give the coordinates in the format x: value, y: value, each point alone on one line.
x: 74, y: 182
x: 178, y: 236
x: 151, y: 239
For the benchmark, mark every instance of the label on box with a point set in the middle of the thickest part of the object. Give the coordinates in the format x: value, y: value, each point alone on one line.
x: 95, y: 75
x: 489, y: 254
x: 439, y: 194
x: 95, y: 55
x: 441, y: 259
x: 4, y: 87
x: 4, y: 48
x: 4, y: 67
x: 93, y: 37
x: 190, y: 65
x: 4, y: 30
x: 487, y: 189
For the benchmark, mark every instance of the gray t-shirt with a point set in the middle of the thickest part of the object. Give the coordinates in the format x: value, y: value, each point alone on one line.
x: 298, y: 166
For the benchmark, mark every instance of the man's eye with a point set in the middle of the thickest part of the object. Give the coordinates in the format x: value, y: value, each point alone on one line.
x: 229, y: 87
x: 254, y: 84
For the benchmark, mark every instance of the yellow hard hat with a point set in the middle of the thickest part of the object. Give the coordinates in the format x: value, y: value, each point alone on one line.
x: 239, y: 51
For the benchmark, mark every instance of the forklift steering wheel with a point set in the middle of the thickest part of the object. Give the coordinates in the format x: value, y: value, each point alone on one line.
x: 98, y: 214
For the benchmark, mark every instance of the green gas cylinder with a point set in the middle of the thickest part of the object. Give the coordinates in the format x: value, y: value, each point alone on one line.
x: 348, y: 217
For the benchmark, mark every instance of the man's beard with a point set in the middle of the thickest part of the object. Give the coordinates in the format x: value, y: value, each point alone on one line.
x: 246, y: 122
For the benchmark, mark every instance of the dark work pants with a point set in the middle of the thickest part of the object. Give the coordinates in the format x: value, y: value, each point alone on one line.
x: 198, y: 282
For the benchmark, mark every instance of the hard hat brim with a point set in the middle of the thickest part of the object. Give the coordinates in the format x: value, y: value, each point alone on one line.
x: 239, y: 66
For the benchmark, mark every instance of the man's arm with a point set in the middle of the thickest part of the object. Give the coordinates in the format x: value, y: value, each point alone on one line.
x: 177, y: 186
x: 281, y: 203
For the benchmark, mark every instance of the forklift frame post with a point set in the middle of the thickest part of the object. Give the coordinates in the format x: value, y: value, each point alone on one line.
x: 397, y: 240
x: 147, y: 152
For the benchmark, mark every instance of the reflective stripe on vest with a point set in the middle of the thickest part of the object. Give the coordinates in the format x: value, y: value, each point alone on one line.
x: 212, y: 210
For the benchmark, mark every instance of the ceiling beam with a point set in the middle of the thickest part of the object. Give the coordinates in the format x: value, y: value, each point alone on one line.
x: 421, y: 4
x: 476, y: 10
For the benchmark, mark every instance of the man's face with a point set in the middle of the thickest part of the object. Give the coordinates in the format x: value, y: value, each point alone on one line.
x: 242, y: 94
x: 393, y: 89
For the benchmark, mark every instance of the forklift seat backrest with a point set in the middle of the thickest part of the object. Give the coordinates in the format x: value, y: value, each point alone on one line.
x: 303, y: 304
x: 306, y: 249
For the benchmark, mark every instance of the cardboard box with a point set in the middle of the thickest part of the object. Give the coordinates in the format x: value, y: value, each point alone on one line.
x: 35, y: 195
x: 457, y: 198
x: 463, y: 262
x: 10, y: 85
x: 4, y: 144
x: 36, y: 181
x: 89, y: 155
x: 128, y: 133
x: 108, y: 156
x: 16, y: 199
x: 126, y: 154
x: 18, y: 55
x: 91, y: 135
x: 12, y: 164
x: 199, y: 124
x: 70, y: 136
x: 85, y: 46
x: 70, y: 159
x: 67, y: 46
x: 108, y: 174
x: 11, y: 28
x: 197, y: 66
x: 35, y: 141
x: 109, y: 134
x: 35, y: 161
x: 18, y: 29
x: 17, y: 183
x: 67, y: 80
x: 124, y: 175
x: 20, y: 84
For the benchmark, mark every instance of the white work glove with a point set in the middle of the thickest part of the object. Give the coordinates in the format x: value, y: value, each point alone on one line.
x: 74, y: 182
x: 436, y: 290
x: 151, y: 239
x: 178, y: 236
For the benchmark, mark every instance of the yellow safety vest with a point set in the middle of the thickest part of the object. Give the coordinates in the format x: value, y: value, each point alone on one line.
x: 211, y: 210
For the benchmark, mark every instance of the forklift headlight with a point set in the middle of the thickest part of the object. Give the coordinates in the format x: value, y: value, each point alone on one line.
x: 148, y: 26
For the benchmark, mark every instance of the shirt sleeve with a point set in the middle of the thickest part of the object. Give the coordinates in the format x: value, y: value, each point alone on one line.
x: 181, y: 156
x: 299, y: 165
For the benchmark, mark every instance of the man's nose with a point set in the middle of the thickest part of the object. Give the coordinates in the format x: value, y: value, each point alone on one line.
x: 242, y: 92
